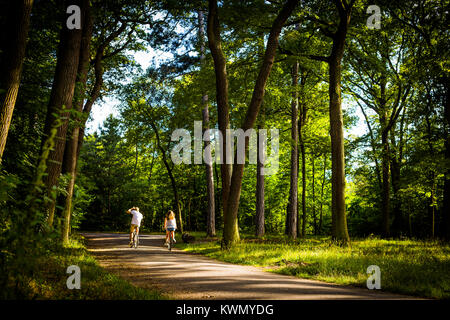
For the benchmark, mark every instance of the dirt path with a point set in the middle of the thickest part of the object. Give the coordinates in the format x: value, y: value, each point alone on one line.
x: 187, y: 276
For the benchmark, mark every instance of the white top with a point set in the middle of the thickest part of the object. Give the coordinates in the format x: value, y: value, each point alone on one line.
x: 171, y: 223
x: 137, y: 217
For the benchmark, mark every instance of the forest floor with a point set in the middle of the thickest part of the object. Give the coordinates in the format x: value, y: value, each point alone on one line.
x: 182, y: 275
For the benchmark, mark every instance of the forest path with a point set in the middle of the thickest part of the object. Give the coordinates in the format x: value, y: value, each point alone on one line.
x: 188, y: 276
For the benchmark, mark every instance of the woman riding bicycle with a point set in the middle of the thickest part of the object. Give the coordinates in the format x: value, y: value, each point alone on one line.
x: 170, y: 225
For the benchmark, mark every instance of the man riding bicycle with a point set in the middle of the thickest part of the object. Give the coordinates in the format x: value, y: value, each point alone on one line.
x: 135, y: 222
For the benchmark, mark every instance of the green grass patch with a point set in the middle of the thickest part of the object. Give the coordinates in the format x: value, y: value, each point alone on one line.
x: 48, y: 280
x: 420, y: 268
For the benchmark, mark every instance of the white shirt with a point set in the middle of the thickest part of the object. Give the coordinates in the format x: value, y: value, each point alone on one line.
x: 137, y: 217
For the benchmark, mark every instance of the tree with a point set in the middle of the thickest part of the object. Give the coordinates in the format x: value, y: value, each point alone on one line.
x: 291, y: 227
x: 71, y: 149
x: 211, y: 210
x: 334, y: 60
x: 231, y: 232
x: 60, y: 104
x: 380, y: 85
x: 11, y: 68
x: 259, y: 215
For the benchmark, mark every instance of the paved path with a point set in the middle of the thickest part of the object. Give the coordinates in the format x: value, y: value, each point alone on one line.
x: 188, y: 276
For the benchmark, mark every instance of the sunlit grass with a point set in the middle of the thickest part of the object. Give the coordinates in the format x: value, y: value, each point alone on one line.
x: 49, y: 279
x: 420, y: 268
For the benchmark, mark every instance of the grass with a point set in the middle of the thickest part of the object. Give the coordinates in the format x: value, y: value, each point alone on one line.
x: 48, y: 281
x: 419, y: 268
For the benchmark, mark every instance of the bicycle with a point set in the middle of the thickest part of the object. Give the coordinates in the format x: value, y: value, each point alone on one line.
x: 135, y: 239
x: 171, y: 242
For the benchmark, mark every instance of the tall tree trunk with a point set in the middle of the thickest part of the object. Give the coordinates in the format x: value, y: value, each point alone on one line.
x: 60, y: 104
x: 314, y: 194
x: 259, y: 216
x: 291, y: 223
x: 385, y: 158
x: 220, y: 68
x: 301, y: 124
x: 171, y: 178
x: 321, y: 192
x: 433, y: 203
x: 231, y: 232
x: 446, y: 201
x: 339, y: 220
x: 71, y: 152
x: 12, y: 63
x: 386, y: 184
x: 211, y: 211
x: 399, y: 223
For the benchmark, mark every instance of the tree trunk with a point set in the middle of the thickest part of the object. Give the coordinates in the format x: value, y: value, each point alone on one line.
x: 314, y: 195
x: 302, y: 120
x: 60, y: 104
x: 259, y: 216
x: 231, y: 232
x: 291, y: 222
x: 339, y: 220
x: 171, y: 178
x: 446, y: 201
x: 220, y: 68
x: 71, y: 152
x: 385, y: 178
x: 399, y: 223
x: 12, y: 65
x: 211, y: 211
x: 321, y: 193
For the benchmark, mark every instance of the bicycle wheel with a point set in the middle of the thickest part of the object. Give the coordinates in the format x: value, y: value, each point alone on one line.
x: 135, y: 239
x: 170, y: 242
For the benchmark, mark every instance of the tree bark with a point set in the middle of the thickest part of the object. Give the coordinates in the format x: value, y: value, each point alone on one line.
x: 446, y: 201
x: 385, y: 204
x: 60, y: 104
x: 339, y: 220
x: 399, y: 224
x: 71, y: 152
x: 301, y: 123
x: 11, y: 69
x: 291, y: 223
x: 259, y: 216
x: 220, y: 68
x: 211, y: 211
x: 321, y: 193
x: 314, y: 195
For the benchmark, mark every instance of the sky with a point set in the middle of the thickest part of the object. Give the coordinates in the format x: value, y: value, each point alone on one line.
x: 102, y: 109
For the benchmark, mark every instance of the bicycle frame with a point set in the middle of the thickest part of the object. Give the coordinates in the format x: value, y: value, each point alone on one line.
x: 170, y: 244
x: 135, y: 239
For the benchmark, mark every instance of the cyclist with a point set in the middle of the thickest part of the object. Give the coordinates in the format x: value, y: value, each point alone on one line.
x: 170, y: 224
x: 135, y: 222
